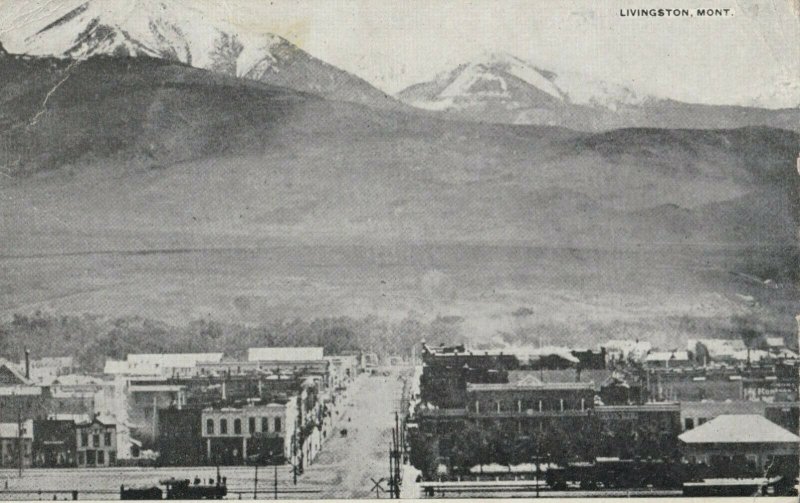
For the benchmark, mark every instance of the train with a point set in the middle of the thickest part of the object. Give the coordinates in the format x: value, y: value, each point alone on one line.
x: 614, y: 473
x: 178, y: 489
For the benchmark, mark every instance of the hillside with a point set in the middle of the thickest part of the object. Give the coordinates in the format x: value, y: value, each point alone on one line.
x: 505, y: 89
x: 129, y: 146
x: 177, y: 32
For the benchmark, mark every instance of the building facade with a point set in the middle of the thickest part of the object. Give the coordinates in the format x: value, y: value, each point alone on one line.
x: 16, y: 446
x: 96, y: 443
x: 234, y: 434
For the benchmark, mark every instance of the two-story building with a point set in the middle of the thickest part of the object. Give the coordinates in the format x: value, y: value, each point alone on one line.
x: 233, y: 435
x: 96, y: 442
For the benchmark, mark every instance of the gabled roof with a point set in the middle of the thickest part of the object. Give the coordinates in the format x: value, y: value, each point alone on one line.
x: 739, y: 429
x: 14, y: 371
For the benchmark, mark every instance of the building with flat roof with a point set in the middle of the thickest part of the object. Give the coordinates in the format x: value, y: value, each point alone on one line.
x: 285, y: 354
x: 160, y: 364
x: 233, y: 434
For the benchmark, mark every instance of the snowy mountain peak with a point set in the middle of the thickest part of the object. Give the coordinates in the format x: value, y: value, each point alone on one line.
x: 519, y: 84
x: 173, y: 31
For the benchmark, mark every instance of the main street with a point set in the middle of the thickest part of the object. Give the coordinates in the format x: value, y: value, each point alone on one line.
x: 342, y: 470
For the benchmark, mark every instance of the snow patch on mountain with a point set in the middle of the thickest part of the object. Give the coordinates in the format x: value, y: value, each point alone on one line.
x: 174, y: 31
x: 489, y: 78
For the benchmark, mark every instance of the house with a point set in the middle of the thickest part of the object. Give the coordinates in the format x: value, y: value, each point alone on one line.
x: 11, y: 439
x: 19, y: 396
x: 96, y: 441
x: 741, y: 445
x: 54, y: 443
x: 285, y: 354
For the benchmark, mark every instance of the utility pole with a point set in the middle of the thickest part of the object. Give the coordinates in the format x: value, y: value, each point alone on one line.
x: 255, y: 483
x: 19, y: 435
x: 391, y: 475
x: 275, y: 466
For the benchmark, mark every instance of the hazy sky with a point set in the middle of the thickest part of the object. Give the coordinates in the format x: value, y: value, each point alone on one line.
x: 395, y: 43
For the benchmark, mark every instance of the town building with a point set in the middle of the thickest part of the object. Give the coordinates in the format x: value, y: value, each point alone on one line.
x: 640, y: 430
x: 180, y: 437
x: 19, y: 396
x: 96, y: 441
x: 12, y: 440
x: 233, y: 434
x: 285, y: 354
x: 160, y: 365
x: 624, y: 351
x: 54, y: 443
x: 667, y: 359
x: 46, y: 369
x: 784, y: 414
x: 741, y: 445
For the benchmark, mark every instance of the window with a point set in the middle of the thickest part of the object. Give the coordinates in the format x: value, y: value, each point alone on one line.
x: 251, y: 423
x: 210, y: 426
x: 84, y: 439
x: 265, y: 424
x: 101, y: 457
x: 108, y: 438
x: 112, y: 457
x: 277, y: 424
x: 223, y: 426
x: 688, y: 423
x: 81, y: 458
x: 237, y: 426
x: 96, y: 440
x: 700, y: 421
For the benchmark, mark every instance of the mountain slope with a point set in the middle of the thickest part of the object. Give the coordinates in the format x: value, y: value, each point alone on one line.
x: 125, y: 151
x: 505, y: 89
x: 175, y: 31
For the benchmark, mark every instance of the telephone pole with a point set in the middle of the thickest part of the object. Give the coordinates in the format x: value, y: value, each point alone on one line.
x: 19, y: 435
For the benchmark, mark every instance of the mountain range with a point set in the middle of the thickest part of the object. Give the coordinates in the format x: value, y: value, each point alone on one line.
x: 175, y: 31
x: 497, y: 88
x: 146, y: 124
x: 506, y: 89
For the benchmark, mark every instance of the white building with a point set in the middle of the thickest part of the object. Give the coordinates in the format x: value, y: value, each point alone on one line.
x: 287, y: 354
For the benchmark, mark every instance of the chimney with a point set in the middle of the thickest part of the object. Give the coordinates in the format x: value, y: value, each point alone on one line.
x: 27, y: 364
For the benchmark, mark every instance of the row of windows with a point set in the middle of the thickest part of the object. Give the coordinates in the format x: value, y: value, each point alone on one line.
x: 548, y: 404
x: 96, y: 439
x: 96, y: 457
x: 237, y: 425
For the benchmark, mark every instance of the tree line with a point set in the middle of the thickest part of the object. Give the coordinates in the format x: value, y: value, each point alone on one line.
x: 91, y: 339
